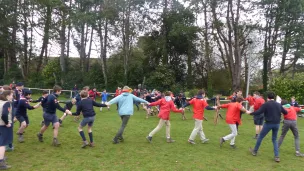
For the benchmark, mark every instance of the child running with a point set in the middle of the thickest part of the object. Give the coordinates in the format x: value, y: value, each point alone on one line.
x: 232, y: 119
x: 199, y: 104
x: 290, y: 122
x: 42, y: 99
x: 166, y: 105
x: 21, y: 113
x: 68, y: 106
x: 104, y: 98
x: 125, y: 102
x: 86, y: 107
x: 50, y: 115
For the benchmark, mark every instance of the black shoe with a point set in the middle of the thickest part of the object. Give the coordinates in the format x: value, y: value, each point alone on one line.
x: 149, y: 139
x: 221, y: 141
x: 60, y: 121
x: 233, y: 146
x: 40, y: 137
x: 115, y: 141
x: 254, y: 153
x: 121, y: 139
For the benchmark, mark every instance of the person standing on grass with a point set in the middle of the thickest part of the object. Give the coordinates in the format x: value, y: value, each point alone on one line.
x: 250, y: 100
x: 166, y: 106
x: 78, y: 99
x: 293, y: 102
x: 6, y: 98
x: 93, y: 93
x: 86, y: 107
x: 50, y: 115
x: 21, y: 113
x: 125, y: 102
x: 272, y: 111
x: 104, y: 98
x: 199, y: 104
x: 68, y: 106
x: 290, y: 122
x: 258, y: 119
x: 232, y: 119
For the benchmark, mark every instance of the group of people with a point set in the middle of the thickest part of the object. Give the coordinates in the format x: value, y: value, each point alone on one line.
x: 15, y: 103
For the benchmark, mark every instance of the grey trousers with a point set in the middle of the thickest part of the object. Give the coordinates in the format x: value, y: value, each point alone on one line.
x: 124, y: 119
x: 292, y: 125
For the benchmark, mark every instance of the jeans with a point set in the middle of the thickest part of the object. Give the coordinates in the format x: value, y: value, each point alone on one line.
x: 266, y: 128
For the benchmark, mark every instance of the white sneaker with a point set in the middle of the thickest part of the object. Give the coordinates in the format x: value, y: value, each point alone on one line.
x: 205, y: 141
x: 100, y: 109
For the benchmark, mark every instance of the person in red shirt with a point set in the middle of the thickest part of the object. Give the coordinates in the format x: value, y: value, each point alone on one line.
x: 258, y: 119
x: 290, y: 122
x: 93, y: 93
x: 232, y: 119
x: 166, y: 106
x: 250, y: 100
x: 117, y: 93
x: 199, y: 103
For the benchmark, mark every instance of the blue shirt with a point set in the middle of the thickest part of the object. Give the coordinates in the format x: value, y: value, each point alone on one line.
x: 22, y: 107
x: 86, y: 107
x: 104, y: 96
x: 52, y: 104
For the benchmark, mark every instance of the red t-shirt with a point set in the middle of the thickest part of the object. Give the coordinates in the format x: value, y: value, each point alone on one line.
x: 250, y: 100
x: 165, y: 108
x: 198, y: 108
x: 233, y: 112
x: 291, y: 113
x: 258, y: 102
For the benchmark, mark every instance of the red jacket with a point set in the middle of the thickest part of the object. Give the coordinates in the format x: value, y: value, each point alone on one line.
x: 117, y: 92
x: 258, y: 102
x: 291, y: 113
x: 198, y: 108
x: 233, y: 112
x: 165, y: 108
x: 93, y: 94
x: 250, y: 100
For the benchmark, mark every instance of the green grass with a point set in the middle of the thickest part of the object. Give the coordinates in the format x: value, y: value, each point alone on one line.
x: 137, y: 154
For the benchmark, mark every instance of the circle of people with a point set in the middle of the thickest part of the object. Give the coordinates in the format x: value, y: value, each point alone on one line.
x: 14, y: 104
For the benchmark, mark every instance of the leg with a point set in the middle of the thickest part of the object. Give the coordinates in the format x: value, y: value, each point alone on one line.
x: 196, y: 129
x: 63, y: 116
x: 158, y: 127
x: 168, y: 126
x: 263, y: 133
x: 285, y: 129
x: 56, y: 129
x: 125, y: 120
x: 232, y: 135
x: 275, y: 130
x: 295, y: 132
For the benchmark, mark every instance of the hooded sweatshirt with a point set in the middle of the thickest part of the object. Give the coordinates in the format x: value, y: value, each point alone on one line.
x: 125, y: 103
x: 166, y: 105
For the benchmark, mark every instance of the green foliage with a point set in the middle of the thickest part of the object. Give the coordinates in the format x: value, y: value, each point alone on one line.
x: 14, y: 74
x: 286, y: 87
x: 51, y: 73
x: 36, y: 80
x: 161, y: 79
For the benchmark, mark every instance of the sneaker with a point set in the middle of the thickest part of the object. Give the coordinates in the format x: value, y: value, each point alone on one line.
x: 299, y: 154
x: 254, y: 153
x: 8, y: 149
x: 20, y: 138
x: 191, y: 142
x: 169, y: 140
x: 55, y: 142
x: 205, y: 140
x: 40, y: 137
x: 84, y: 144
x: 4, y: 166
x: 221, y: 141
x: 60, y: 121
x: 233, y: 146
x: 121, y: 139
x: 92, y: 144
x: 149, y: 139
x: 100, y: 109
x: 277, y: 159
x: 115, y: 141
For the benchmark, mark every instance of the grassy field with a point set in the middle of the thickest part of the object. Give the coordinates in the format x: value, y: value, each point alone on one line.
x: 137, y: 154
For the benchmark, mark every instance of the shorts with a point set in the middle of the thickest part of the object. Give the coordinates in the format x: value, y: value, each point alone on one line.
x: 88, y: 120
x: 5, y: 135
x: 49, y: 118
x: 258, y: 121
x: 22, y: 119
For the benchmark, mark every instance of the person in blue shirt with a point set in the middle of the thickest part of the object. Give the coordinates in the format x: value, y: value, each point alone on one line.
x: 50, y: 116
x: 21, y: 113
x: 104, y: 98
x: 293, y: 102
x: 125, y: 102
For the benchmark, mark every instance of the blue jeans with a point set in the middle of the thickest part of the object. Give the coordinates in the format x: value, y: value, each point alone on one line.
x: 266, y: 128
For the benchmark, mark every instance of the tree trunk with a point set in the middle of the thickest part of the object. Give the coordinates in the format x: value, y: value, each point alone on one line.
x: 69, y: 30
x: 12, y: 59
x: 165, y: 34
x: 24, y: 63
x: 89, y: 53
x: 102, y: 46
x: 45, y: 36
x: 62, y: 40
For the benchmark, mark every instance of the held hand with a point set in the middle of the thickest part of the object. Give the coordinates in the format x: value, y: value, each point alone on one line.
x: 248, y: 112
x: 107, y: 104
x: 8, y: 125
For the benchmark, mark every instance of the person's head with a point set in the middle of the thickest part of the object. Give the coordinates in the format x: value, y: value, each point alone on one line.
x: 57, y: 89
x: 293, y: 99
x: 27, y: 94
x: 126, y: 89
x: 256, y: 94
x: 73, y: 101
x: 84, y: 94
x: 239, y: 92
x: 168, y: 93
x: 45, y: 93
x: 6, y: 95
x: 284, y: 102
x: 104, y: 90
x: 86, y: 88
x: 19, y: 86
x: 201, y: 93
x: 94, y: 89
x: 239, y: 99
x: 270, y: 95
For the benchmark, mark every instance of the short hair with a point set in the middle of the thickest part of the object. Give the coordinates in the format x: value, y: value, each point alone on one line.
x: 4, y: 94
x: 27, y: 92
x: 6, y: 87
x: 270, y: 95
x: 239, y: 99
x: 200, y: 92
x: 73, y: 100
x: 284, y: 102
x: 168, y: 93
x: 57, y: 88
x: 45, y: 92
x: 86, y: 88
x: 257, y: 93
x: 83, y: 94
